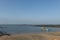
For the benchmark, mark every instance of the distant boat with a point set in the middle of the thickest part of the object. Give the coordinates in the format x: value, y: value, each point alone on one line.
x: 44, y: 28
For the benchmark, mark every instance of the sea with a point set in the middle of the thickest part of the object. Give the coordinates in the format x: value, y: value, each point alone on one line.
x: 22, y: 29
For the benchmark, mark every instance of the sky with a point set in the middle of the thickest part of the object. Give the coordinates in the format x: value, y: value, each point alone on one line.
x: 29, y: 11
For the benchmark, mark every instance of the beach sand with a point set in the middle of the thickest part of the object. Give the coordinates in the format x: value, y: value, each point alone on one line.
x: 35, y: 36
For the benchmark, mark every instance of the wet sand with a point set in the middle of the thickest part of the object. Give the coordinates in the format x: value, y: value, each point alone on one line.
x: 35, y: 36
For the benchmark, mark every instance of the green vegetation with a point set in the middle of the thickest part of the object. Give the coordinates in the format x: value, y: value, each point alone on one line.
x: 47, y: 25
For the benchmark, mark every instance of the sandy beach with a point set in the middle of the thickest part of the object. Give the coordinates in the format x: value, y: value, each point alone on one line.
x: 35, y: 36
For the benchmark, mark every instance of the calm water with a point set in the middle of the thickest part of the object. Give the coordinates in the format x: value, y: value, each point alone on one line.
x: 26, y: 29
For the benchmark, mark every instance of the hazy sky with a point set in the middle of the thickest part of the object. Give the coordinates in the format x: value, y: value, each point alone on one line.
x: 29, y: 11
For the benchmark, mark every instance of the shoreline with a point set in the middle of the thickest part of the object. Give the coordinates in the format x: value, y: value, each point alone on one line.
x: 35, y: 36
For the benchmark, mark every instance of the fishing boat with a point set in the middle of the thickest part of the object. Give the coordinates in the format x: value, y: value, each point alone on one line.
x: 2, y: 32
